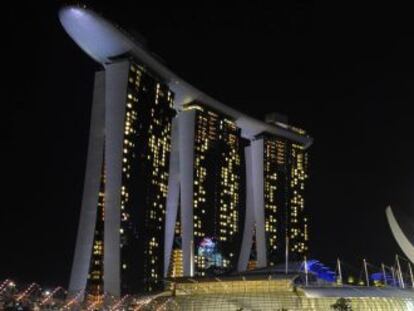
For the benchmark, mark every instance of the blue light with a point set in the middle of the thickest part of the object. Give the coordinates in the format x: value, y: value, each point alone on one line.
x: 379, y: 276
x: 321, y: 271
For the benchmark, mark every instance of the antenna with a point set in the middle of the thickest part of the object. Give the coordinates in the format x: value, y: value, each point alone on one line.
x: 384, y: 274
x: 393, y: 275
x: 340, y: 280
x: 306, y: 271
x: 400, y: 272
x: 287, y: 254
x: 411, y: 274
x: 192, y: 258
x: 366, y: 271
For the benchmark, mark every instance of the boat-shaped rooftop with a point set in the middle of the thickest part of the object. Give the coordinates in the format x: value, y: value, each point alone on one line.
x: 105, y: 41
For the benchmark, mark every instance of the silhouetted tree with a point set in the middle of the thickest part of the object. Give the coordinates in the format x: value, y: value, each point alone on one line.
x: 342, y: 304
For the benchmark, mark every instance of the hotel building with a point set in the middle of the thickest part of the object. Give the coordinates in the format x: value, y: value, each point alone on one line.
x: 177, y: 183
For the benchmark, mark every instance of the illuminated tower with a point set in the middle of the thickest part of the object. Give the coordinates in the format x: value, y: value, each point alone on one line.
x: 160, y: 150
x: 297, y: 219
x: 128, y: 239
x: 146, y: 150
x: 213, y: 197
x: 276, y: 218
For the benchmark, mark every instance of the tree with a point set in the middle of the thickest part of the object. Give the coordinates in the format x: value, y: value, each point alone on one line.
x: 342, y: 304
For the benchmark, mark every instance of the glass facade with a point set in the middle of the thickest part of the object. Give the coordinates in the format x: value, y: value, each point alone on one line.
x: 271, y: 302
x: 285, y: 166
x: 267, y: 295
x: 219, y: 200
x: 146, y: 149
x: 274, y: 168
x: 297, y: 219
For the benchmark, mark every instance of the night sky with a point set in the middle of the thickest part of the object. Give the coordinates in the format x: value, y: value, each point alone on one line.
x: 343, y: 73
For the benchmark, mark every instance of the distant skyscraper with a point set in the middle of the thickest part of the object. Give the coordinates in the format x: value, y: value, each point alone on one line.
x: 176, y: 184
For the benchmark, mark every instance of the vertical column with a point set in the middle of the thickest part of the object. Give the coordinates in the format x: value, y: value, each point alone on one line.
x: 115, y: 96
x: 257, y: 149
x: 84, y: 241
x: 250, y: 215
x: 186, y: 158
x: 172, y: 196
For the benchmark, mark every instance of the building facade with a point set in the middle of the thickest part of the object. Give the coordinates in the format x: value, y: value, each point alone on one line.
x: 177, y: 183
x: 145, y: 162
x: 269, y: 292
x: 277, y: 226
x: 134, y: 151
x: 215, y: 191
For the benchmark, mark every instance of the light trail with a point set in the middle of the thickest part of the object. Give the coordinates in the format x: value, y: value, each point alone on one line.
x: 163, y: 305
x: 93, y: 305
x: 72, y: 301
x: 119, y: 303
x: 5, y: 284
x: 27, y: 291
x: 147, y: 301
x: 51, y: 295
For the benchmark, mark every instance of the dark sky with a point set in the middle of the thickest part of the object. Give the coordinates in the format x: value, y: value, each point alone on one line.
x: 343, y: 72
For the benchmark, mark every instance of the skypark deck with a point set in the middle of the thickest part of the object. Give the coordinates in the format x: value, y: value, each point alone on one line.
x: 105, y: 41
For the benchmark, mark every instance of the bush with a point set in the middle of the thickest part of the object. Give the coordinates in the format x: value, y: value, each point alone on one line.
x: 342, y: 304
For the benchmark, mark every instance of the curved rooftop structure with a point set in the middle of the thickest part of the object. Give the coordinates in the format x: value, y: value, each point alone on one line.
x: 104, y: 41
x: 279, y: 293
x: 357, y: 291
x: 398, y: 228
